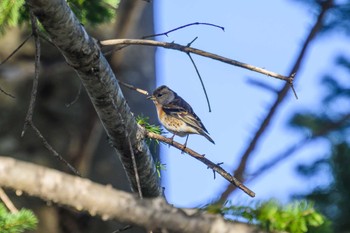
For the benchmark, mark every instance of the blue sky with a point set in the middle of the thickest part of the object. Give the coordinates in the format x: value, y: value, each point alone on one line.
x: 264, y: 34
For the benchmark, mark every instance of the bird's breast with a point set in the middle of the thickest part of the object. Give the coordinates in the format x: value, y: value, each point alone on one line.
x: 175, y: 125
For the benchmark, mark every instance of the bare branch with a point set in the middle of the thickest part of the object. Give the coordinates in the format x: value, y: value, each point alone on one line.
x: 6, y: 93
x: 210, y: 164
x: 29, y: 116
x: 201, y: 80
x: 279, y: 100
x: 53, y: 152
x: 139, y: 90
x: 181, y: 27
x: 84, y: 195
x: 7, y: 201
x: 298, y: 146
x: 76, y: 97
x: 18, y: 48
x: 199, y: 52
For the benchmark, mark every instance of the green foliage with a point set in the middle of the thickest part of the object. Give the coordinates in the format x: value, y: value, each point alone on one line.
x: 144, y: 122
x: 16, y: 222
x: 332, y: 124
x: 160, y: 167
x: 14, y: 12
x: 297, y: 217
x: 152, y: 144
x: 94, y: 12
x: 11, y: 13
x: 332, y: 200
x: 337, y: 18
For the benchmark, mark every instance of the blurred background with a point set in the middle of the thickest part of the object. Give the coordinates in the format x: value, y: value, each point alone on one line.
x: 302, y: 153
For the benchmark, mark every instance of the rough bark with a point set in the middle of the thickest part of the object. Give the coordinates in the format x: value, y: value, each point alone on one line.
x: 83, y: 54
x: 84, y: 195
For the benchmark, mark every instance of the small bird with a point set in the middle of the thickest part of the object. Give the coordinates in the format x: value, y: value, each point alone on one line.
x: 176, y: 115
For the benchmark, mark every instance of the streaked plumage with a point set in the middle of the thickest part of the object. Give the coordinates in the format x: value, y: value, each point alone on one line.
x: 176, y: 114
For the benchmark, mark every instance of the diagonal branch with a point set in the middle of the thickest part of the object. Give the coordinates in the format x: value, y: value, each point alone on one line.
x: 215, y: 167
x: 29, y: 115
x: 279, y: 100
x: 199, y: 52
x: 96, y: 199
x: 83, y: 54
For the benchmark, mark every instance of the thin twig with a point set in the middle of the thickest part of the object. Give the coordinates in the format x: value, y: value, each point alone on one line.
x: 181, y: 27
x: 133, y: 88
x: 204, y: 160
x: 127, y: 227
x: 76, y: 97
x: 135, y: 169
x: 29, y: 116
x: 136, y: 173
x: 201, y: 80
x: 292, y: 85
x: 6, y: 93
x: 298, y: 146
x: 199, y: 52
x: 164, y: 33
x: 7, y: 201
x: 53, y: 152
x: 8, y: 57
x: 18, y: 48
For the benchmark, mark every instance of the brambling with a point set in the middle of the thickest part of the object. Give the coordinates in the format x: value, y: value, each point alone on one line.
x: 176, y: 115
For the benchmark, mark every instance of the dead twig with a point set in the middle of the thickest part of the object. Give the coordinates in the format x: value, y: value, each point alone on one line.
x: 135, y: 169
x: 6, y: 93
x: 199, y: 75
x: 29, y: 116
x: 133, y: 88
x: 76, y: 97
x: 9, y: 56
x: 181, y: 27
x: 18, y: 48
x: 53, y: 152
x: 199, y: 52
x: 7, y: 201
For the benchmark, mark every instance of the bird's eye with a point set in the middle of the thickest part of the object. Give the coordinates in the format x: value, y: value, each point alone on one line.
x: 159, y: 95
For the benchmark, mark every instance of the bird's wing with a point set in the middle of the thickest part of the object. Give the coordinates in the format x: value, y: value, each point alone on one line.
x: 180, y: 109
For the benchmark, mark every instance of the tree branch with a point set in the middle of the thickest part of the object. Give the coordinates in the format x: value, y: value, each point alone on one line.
x: 279, y: 100
x: 215, y: 167
x: 84, y: 55
x: 199, y: 52
x: 84, y: 195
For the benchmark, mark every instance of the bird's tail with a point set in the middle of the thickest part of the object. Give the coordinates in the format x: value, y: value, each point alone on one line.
x: 207, y: 137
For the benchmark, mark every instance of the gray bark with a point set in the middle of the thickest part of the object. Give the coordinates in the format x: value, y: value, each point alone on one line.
x: 84, y: 195
x: 83, y: 54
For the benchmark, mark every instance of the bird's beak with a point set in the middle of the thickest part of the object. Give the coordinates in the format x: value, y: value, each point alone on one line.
x: 151, y: 97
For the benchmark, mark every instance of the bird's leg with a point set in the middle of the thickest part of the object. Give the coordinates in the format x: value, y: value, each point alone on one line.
x: 172, y: 140
x: 183, y: 149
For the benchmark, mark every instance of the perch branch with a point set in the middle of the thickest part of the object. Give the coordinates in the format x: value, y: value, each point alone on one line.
x: 215, y: 167
x: 199, y: 52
